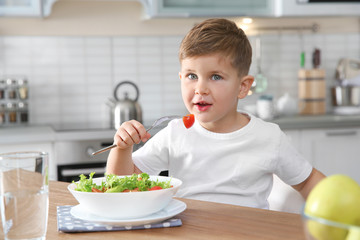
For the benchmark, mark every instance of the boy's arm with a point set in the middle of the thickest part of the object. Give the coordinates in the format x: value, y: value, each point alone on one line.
x: 120, y: 161
x: 306, y: 186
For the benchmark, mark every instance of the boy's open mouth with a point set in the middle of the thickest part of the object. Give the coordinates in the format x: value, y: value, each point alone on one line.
x: 202, y: 106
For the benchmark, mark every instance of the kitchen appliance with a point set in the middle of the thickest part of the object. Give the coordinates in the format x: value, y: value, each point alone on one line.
x: 348, y: 72
x: 125, y: 109
x: 345, y: 95
x: 74, y: 156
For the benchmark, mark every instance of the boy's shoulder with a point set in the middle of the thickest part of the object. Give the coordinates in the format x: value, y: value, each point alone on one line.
x: 258, y: 120
x: 261, y: 124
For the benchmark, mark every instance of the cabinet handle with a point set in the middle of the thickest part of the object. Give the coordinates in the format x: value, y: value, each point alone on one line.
x: 344, y: 133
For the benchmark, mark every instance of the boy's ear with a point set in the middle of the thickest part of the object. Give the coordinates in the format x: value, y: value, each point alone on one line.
x: 180, y: 75
x: 245, y: 85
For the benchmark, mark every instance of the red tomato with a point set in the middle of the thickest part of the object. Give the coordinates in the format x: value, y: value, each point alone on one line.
x: 155, y: 188
x: 96, y: 190
x: 188, y: 120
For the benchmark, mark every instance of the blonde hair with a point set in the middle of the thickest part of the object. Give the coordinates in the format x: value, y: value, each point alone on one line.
x: 222, y: 36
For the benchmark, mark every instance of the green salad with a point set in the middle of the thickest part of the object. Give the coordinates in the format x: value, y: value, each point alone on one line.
x: 113, y: 183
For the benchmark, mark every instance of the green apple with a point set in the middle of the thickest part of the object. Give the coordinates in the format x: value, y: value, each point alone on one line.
x: 335, y: 198
x: 354, y: 233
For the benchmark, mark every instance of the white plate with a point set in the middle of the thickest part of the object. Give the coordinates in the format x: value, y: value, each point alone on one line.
x: 175, y: 207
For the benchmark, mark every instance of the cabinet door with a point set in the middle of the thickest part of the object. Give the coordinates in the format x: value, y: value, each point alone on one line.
x: 333, y: 151
x: 210, y: 8
x: 31, y: 8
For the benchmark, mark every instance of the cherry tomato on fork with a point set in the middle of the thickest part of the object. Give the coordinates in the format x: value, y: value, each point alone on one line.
x: 188, y: 120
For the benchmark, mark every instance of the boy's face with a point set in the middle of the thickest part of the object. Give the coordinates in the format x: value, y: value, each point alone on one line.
x: 211, y: 88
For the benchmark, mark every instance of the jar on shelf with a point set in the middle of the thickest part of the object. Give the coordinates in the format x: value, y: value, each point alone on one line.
x: 23, y: 112
x: 11, y: 109
x: 2, y: 89
x: 2, y: 114
x: 265, y: 107
x: 23, y: 89
x: 11, y: 88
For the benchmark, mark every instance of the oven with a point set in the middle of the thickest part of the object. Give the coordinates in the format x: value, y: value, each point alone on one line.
x: 74, y: 147
x: 75, y: 157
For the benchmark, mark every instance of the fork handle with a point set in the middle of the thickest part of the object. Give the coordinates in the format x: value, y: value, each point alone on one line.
x: 114, y: 145
x: 104, y: 149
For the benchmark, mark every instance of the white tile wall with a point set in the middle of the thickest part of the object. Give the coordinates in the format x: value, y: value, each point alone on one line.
x: 281, y: 59
x: 72, y: 78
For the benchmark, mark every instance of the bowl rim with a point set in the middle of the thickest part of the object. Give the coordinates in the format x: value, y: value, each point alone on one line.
x: 140, y: 192
x: 329, y: 222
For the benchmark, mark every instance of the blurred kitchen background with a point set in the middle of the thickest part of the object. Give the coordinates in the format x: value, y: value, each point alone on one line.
x: 71, y: 54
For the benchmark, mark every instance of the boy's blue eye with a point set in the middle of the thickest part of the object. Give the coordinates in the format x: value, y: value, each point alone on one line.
x: 192, y: 76
x: 216, y: 77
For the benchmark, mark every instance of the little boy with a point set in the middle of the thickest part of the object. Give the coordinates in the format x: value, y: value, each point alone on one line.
x: 226, y: 156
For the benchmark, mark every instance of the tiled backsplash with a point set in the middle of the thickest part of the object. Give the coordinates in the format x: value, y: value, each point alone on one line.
x: 72, y: 78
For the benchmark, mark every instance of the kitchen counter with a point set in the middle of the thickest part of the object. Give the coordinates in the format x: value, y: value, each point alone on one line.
x: 317, y: 121
x: 26, y: 134
x: 80, y: 135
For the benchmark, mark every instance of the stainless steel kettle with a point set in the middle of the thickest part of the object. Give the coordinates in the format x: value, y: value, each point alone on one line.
x: 125, y: 109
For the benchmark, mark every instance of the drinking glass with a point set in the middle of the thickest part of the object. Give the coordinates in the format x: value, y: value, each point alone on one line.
x: 24, y: 194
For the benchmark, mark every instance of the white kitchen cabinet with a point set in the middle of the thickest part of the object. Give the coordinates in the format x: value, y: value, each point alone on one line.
x: 38, y: 146
x: 26, y: 8
x: 175, y: 8
x: 333, y: 151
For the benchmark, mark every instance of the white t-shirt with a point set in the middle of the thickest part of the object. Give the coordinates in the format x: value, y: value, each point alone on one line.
x: 234, y: 168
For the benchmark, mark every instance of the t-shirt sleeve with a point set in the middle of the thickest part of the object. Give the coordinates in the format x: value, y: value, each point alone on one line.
x: 291, y: 167
x: 153, y: 157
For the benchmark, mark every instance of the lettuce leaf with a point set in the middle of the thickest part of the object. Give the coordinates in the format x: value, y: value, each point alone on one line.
x: 114, y: 183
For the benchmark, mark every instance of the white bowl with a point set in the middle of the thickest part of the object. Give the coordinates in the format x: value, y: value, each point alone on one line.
x: 126, y: 205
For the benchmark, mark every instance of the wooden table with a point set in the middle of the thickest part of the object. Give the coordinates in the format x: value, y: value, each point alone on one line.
x: 201, y: 220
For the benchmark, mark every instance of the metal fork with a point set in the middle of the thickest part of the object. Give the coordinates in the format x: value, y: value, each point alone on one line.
x: 156, y: 123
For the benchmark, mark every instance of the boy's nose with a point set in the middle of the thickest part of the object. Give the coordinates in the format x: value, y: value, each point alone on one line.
x: 201, y: 88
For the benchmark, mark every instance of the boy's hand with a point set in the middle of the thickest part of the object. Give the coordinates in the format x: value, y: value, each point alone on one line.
x: 130, y: 133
